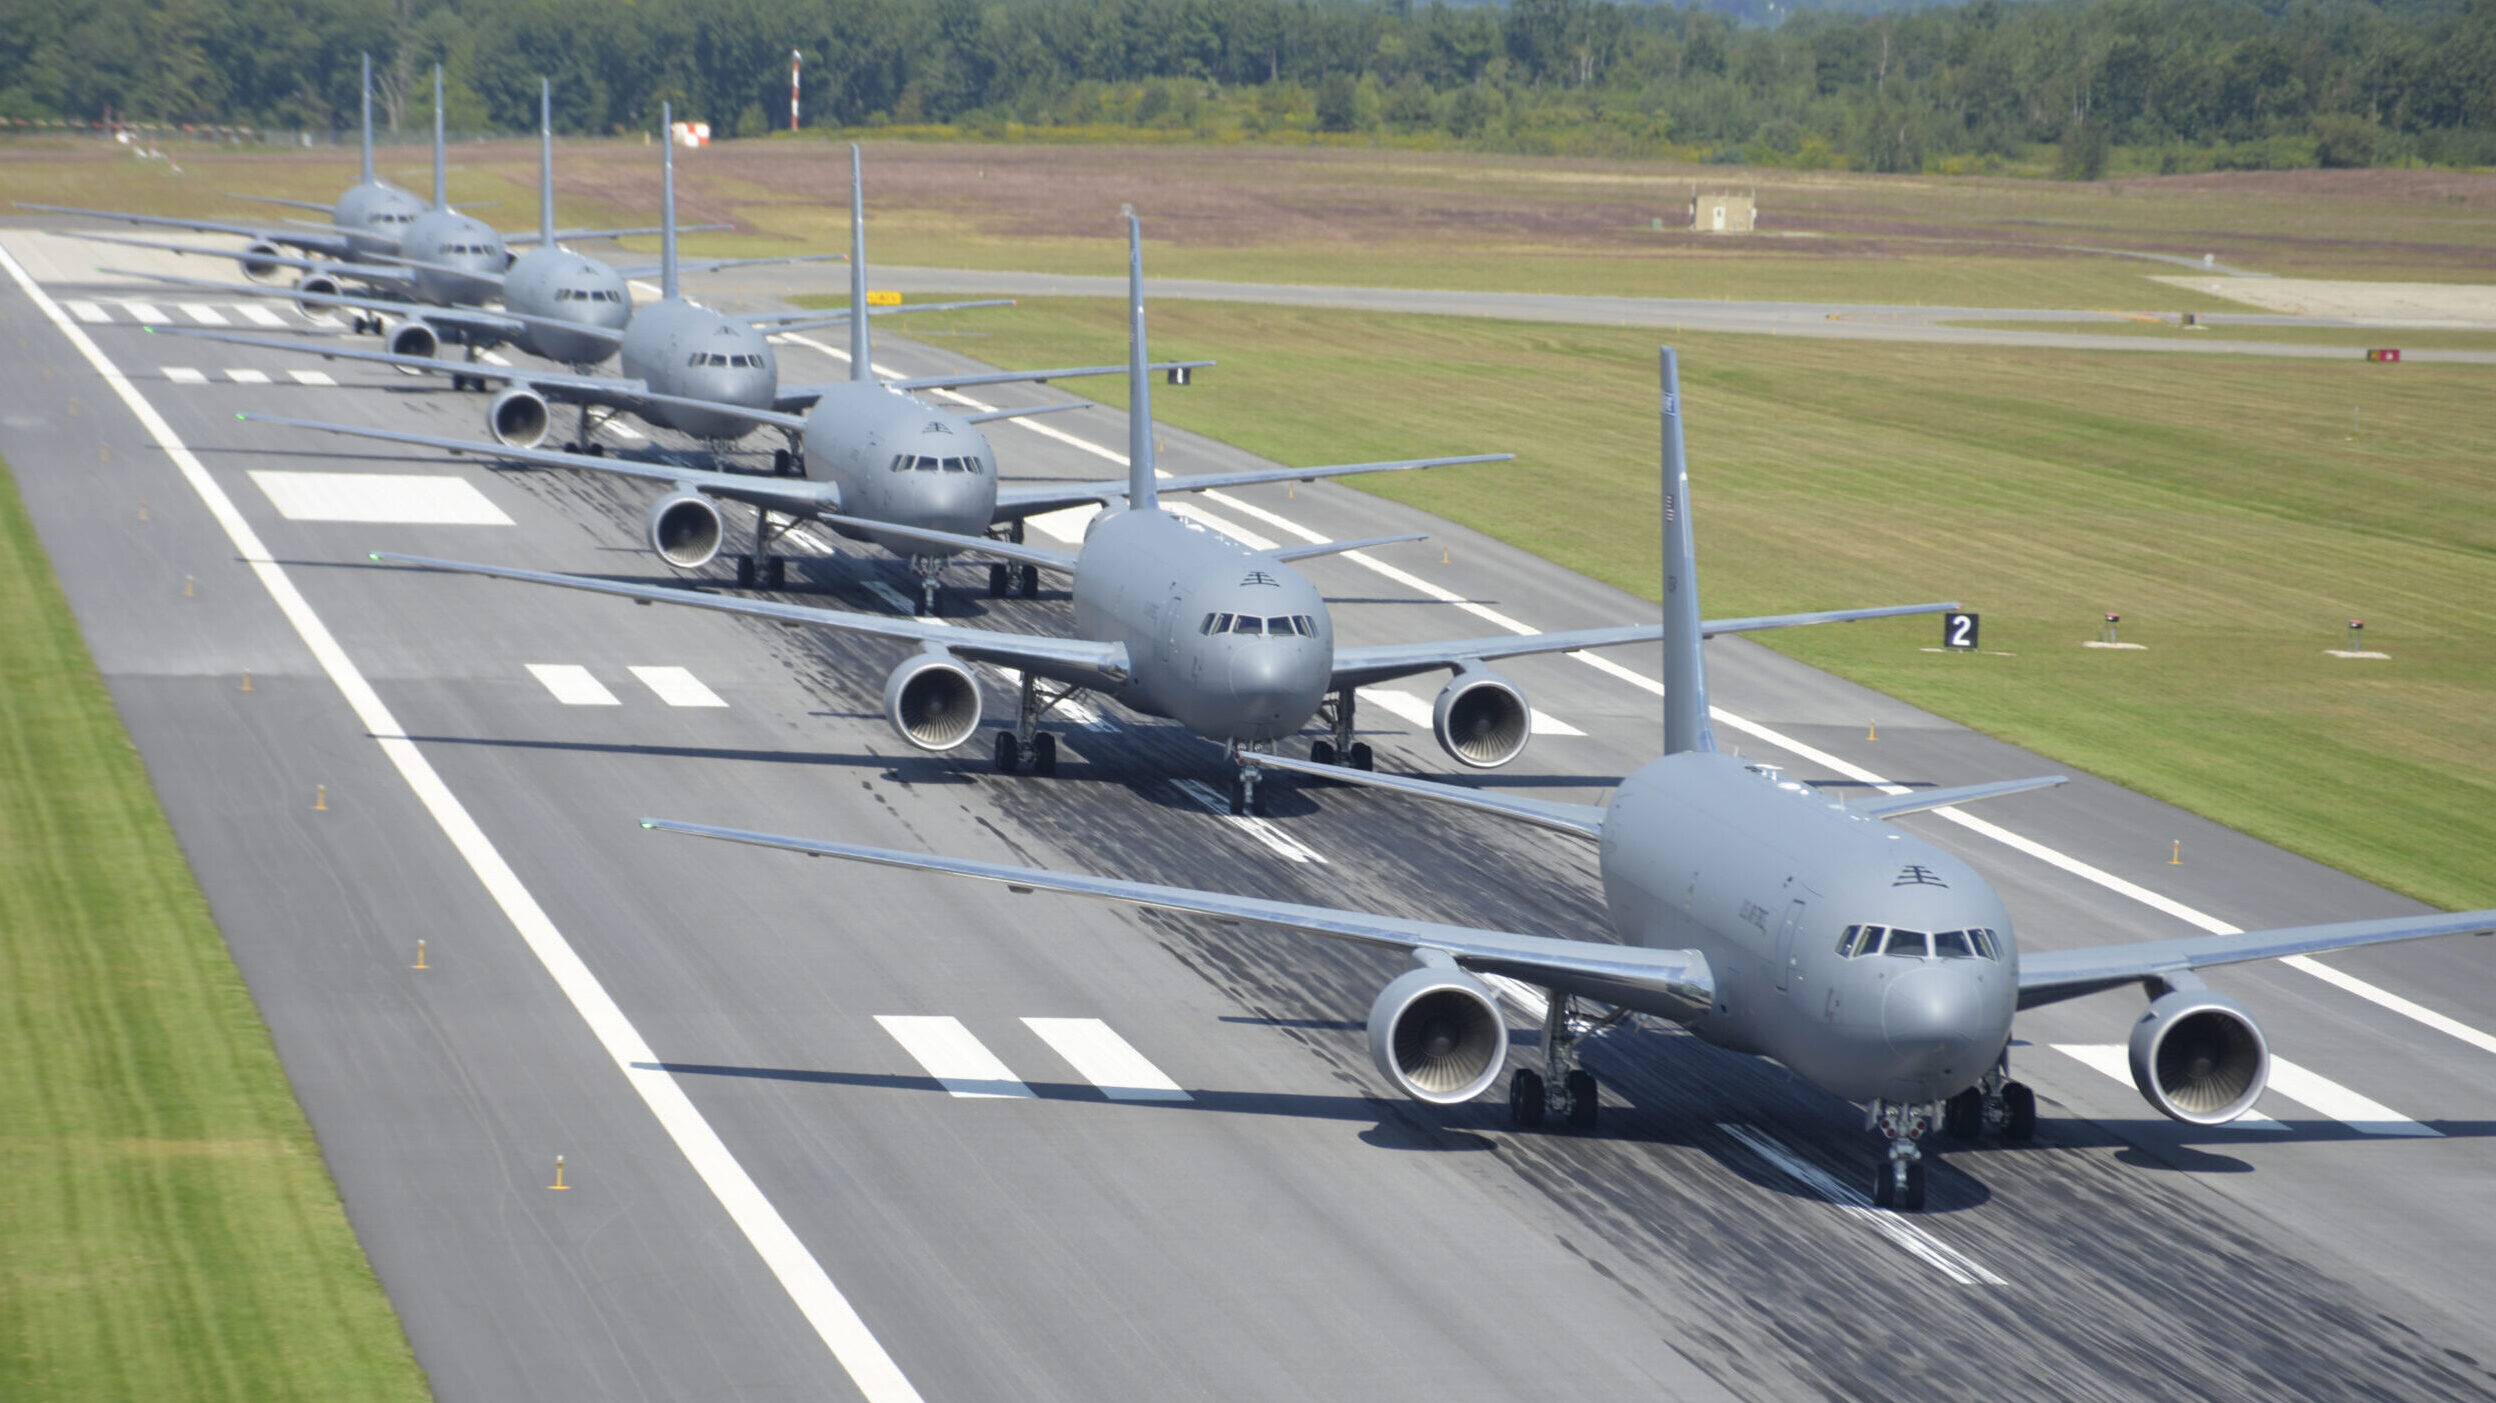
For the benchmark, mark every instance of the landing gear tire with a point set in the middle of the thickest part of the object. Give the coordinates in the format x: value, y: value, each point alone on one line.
x: 1580, y: 1086
x: 745, y: 572
x: 1525, y: 1099
x: 1912, y: 1199
x: 2019, y: 1111
x: 1030, y: 583
x: 1000, y: 580
x: 1362, y: 759
x: 1009, y: 752
x: 1884, y: 1185
x: 1044, y: 754
x: 1963, y: 1115
x: 1322, y: 752
x: 776, y: 573
x: 597, y: 450
x: 780, y: 462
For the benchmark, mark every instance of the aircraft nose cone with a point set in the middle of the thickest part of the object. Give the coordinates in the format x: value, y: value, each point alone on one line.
x: 1934, y: 1018
x: 1266, y: 680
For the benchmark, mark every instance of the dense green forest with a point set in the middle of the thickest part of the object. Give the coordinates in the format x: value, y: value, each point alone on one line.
x: 2162, y: 84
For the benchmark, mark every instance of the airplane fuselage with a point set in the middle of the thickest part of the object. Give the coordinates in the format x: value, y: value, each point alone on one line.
x: 1160, y: 583
x: 561, y: 285
x: 678, y: 348
x: 466, y: 254
x: 375, y: 216
x: 893, y: 458
x: 1777, y: 885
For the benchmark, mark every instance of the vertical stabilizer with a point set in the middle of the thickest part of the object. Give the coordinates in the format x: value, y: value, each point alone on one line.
x: 368, y: 119
x: 667, y: 202
x: 861, y: 346
x: 1142, y: 494
x: 441, y: 176
x: 1685, y: 672
x: 545, y: 164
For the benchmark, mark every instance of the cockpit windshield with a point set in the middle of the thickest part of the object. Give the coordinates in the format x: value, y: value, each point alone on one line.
x: 1275, y: 626
x: 1974, y: 943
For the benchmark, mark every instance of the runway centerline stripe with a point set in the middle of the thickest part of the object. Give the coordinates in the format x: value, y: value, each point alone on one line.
x: 572, y: 684
x: 1106, y: 1060
x: 834, y: 1319
x: 1940, y: 1256
x: 2304, y: 964
x: 1283, y: 844
x: 959, y: 1062
x: 676, y: 686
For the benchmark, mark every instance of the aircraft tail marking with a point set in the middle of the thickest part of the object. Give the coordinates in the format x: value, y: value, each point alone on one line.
x: 441, y: 174
x: 368, y: 119
x: 1685, y: 672
x: 667, y: 201
x: 861, y: 346
x: 1142, y: 494
x: 545, y: 164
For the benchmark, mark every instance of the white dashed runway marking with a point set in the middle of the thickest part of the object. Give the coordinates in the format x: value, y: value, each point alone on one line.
x: 406, y: 499
x: 572, y: 684
x: 676, y: 686
x: 1106, y: 1060
x: 310, y: 377
x: 258, y: 315
x: 247, y: 377
x: 182, y: 375
x: 959, y: 1062
x: 87, y: 312
x: 204, y: 314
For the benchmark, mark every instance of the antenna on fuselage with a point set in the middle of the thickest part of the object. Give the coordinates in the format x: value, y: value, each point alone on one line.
x: 545, y: 164
x: 1142, y: 494
x: 861, y: 352
x: 667, y: 202
x: 368, y: 119
x: 1685, y: 672
x: 441, y: 177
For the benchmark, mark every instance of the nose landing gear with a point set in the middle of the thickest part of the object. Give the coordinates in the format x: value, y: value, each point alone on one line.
x: 1898, y: 1180
x: 928, y: 568
x: 1245, y: 800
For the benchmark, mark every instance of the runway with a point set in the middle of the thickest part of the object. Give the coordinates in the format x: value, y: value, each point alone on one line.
x: 1288, y: 1229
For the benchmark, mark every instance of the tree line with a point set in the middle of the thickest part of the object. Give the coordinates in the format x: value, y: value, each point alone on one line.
x: 2171, y: 84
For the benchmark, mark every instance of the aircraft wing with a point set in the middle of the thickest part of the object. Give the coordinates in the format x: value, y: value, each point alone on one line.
x: 334, y: 244
x: 1584, y: 820
x: 1030, y: 377
x: 1290, y: 553
x: 1025, y: 412
x: 340, y: 266
x: 1365, y: 666
x: 1670, y: 983
x: 555, y: 384
x: 776, y: 418
x: 314, y: 206
x: 707, y: 265
x: 1032, y: 498
x: 1919, y: 800
x: 2050, y: 976
x: 530, y: 236
x: 792, y: 496
x: 1083, y: 661
x: 808, y: 321
x: 1057, y: 560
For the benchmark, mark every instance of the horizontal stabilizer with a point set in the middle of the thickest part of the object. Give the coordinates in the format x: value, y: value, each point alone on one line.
x: 1917, y: 801
x: 1585, y: 820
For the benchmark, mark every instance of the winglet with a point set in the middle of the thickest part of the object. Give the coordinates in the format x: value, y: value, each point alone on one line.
x: 1685, y: 672
x: 368, y: 119
x: 861, y: 349
x: 1142, y: 494
x: 667, y: 201
x: 441, y: 175
x: 545, y: 164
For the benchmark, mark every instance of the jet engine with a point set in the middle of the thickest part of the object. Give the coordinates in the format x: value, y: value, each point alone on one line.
x: 2198, y: 1057
x: 932, y: 700
x: 1481, y: 719
x: 257, y: 261
x: 1435, y: 1033
x: 414, y: 337
x: 685, y: 529
x: 518, y: 418
x: 321, y: 284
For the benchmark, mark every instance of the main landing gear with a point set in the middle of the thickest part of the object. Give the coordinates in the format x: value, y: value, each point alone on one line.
x: 593, y: 418
x: 2008, y: 1106
x: 1563, y: 1092
x: 1027, y: 739
x: 760, y: 566
x: 1339, y: 748
x: 1013, y: 579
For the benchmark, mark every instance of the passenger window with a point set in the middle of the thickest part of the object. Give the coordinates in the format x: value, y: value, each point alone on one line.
x: 1952, y: 945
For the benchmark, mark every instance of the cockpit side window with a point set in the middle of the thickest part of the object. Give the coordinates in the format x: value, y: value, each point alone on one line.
x: 1909, y: 943
x: 1986, y: 947
x: 901, y: 462
x: 1854, y: 941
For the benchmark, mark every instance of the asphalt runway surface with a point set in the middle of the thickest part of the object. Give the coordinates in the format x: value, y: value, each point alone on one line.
x: 1195, y: 1186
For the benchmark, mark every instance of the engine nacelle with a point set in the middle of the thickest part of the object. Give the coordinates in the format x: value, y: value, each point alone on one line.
x: 414, y: 337
x: 1482, y: 719
x: 933, y: 700
x: 2198, y: 1057
x: 319, y: 284
x: 1437, y: 1035
x: 518, y: 418
x: 259, y: 261
x: 686, y: 530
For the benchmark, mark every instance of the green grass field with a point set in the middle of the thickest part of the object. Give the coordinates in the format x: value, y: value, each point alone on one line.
x: 2220, y: 504
x: 167, y: 1227
x: 2355, y: 338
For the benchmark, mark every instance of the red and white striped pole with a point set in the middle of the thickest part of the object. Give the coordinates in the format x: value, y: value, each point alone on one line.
x: 793, y: 63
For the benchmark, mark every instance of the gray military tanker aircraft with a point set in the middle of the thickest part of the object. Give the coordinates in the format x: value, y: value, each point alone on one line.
x: 1768, y: 918
x: 367, y: 220
x: 557, y: 304
x: 1179, y: 621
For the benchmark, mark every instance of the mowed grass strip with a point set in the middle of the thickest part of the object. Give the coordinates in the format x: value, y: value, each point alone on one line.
x: 167, y: 1227
x: 2221, y: 504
